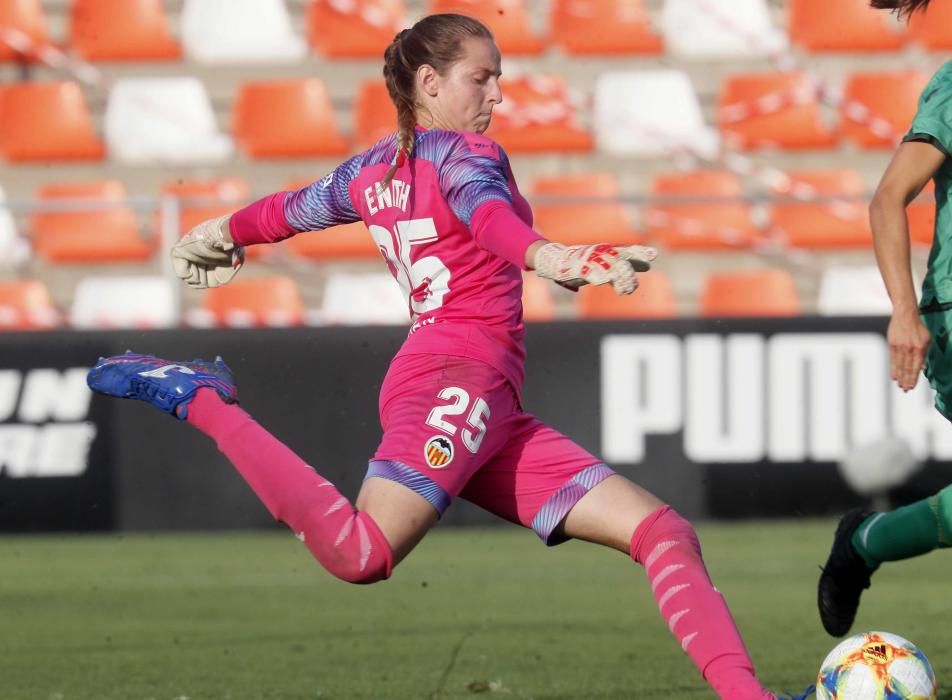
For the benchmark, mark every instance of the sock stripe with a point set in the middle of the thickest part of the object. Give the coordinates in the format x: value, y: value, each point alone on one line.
x: 685, y: 643
x: 670, y: 593
x: 659, y: 550
x: 674, y: 619
x: 664, y: 573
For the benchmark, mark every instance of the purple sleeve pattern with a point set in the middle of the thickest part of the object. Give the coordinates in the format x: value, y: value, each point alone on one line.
x: 469, y: 179
x: 324, y: 203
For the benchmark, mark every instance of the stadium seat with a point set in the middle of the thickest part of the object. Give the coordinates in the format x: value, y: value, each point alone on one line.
x: 14, y: 249
x: 200, y: 200
x: 921, y: 214
x: 140, y: 301
x: 844, y: 25
x: 654, y: 298
x: 374, y: 113
x: 153, y: 121
x: 767, y: 292
x: 240, y: 31
x: 507, y: 19
x: 932, y: 29
x: 538, y: 305
x: 841, y: 221
x: 259, y: 301
x: 101, y: 227
x: 26, y: 305
x: 603, y: 27
x: 650, y: 113
x: 372, y: 298
x: 853, y: 291
x: 772, y: 110
x: 536, y: 115
x: 286, y: 119
x: 47, y: 121
x: 877, y: 108
x: 600, y: 218
x: 701, y: 29
x: 24, y: 27
x: 121, y: 30
x: 356, y: 29
x: 351, y: 241
x: 723, y: 221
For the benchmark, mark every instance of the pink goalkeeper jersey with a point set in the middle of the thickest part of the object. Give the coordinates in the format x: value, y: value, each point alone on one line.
x: 463, y: 292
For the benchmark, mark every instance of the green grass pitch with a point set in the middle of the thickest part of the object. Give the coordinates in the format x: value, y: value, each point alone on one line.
x: 250, y: 616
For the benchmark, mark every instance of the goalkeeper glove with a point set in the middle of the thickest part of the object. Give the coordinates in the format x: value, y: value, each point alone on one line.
x: 578, y: 265
x: 205, y: 257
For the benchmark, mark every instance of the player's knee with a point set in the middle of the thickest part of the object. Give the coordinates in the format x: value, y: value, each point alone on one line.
x: 664, y: 528
x: 360, y: 553
x: 943, y: 510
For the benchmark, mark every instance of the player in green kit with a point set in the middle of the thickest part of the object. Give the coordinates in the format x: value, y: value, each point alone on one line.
x: 918, y: 338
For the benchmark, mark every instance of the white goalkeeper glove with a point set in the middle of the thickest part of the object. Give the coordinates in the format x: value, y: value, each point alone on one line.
x: 206, y: 257
x: 578, y: 265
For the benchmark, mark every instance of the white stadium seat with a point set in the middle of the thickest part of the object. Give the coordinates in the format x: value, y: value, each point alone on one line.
x: 711, y: 28
x: 650, y: 113
x: 363, y: 299
x: 240, y: 31
x: 124, y: 302
x: 14, y: 250
x: 163, y: 120
x: 853, y: 291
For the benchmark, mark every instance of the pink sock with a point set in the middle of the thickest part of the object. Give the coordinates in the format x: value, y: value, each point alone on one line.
x: 345, y: 541
x: 696, y: 613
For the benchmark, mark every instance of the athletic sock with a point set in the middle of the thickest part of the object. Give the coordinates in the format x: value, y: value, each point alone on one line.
x: 696, y: 613
x: 346, y: 541
x: 906, y: 532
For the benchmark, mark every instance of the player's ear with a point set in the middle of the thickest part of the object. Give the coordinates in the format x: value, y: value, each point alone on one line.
x: 427, y: 80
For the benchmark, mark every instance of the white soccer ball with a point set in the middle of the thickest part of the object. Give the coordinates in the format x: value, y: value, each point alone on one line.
x: 876, y: 666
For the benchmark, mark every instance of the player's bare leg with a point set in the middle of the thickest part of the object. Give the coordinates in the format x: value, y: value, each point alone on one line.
x: 622, y: 515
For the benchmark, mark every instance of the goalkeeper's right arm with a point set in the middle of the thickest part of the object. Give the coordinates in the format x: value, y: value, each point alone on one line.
x: 206, y: 256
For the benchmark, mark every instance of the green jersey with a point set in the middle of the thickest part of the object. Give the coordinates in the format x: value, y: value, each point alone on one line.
x: 933, y: 122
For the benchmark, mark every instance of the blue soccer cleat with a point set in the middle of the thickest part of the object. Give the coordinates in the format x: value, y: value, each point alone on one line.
x: 166, y: 384
x: 803, y: 696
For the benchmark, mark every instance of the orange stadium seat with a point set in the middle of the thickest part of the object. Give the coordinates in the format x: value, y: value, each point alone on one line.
x: 374, y: 113
x: 724, y: 222
x: 606, y: 27
x: 88, y: 233
x: 877, y: 108
x: 47, y: 121
x: 932, y: 29
x: 772, y: 110
x: 362, y: 30
x: 507, y: 19
x: 537, y: 115
x: 844, y: 25
x: 654, y: 298
x: 286, y: 119
x: 26, y: 305
x: 769, y: 292
x: 537, y: 302
x: 260, y: 301
x: 602, y: 218
x: 200, y: 200
x: 121, y: 30
x: 23, y: 22
x: 840, y: 222
x: 350, y: 241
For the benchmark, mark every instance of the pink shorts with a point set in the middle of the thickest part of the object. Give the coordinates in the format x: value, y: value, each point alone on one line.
x: 455, y: 427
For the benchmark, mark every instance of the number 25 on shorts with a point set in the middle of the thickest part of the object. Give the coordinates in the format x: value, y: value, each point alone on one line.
x: 459, y: 402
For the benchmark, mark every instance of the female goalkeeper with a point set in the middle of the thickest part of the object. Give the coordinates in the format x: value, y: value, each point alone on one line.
x: 918, y: 337
x: 442, y: 205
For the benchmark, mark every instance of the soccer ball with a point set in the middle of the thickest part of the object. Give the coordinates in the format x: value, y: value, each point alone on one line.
x: 876, y: 666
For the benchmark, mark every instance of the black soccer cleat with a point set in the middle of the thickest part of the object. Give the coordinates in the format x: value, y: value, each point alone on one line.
x: 844, y: 577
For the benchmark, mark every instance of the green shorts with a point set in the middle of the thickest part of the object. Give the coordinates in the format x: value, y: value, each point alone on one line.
x: 939, y: 359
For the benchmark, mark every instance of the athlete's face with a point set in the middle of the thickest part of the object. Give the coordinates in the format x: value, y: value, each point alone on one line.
x: 462, y: 98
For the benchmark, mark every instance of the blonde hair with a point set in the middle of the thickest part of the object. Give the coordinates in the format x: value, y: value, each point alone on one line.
x: 435, y: 40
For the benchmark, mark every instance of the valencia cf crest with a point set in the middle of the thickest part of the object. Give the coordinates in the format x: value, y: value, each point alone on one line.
x: 438, y: 451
